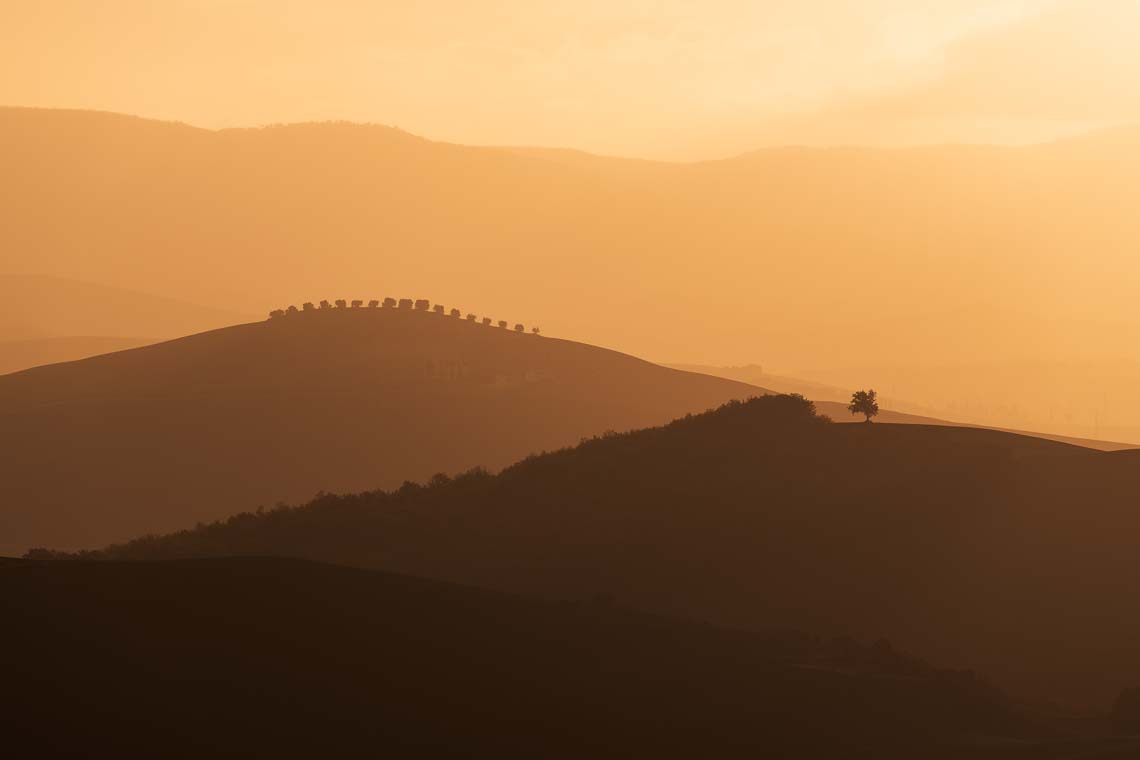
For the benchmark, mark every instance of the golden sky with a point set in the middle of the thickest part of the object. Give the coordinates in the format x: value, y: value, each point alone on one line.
x: 677, y: 79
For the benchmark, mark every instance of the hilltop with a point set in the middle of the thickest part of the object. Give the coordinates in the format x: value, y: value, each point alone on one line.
x: 286, y: 658
x: 832, y: 401
x: 975, y: 548
x: 154, y: 438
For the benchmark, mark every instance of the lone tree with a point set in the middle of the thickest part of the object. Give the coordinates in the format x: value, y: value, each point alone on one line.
x: 454, y: 313
x: 865, y: 403
x: 487, y: 321
x: 535, y: 330
x: 471, y: 317
x: 503, y: 323
x: 438, y: 308
x: 519, y: 327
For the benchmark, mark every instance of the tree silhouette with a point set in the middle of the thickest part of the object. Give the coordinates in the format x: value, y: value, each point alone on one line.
x: 356, y: 304
x: 326, y: 305
x: 534, y: 330
x: 455, y: 313
x: 291, y: 310
x: 864, y: 403
x: 308, y: 306
x: 341, y: 303
x: 471, y: 317
x: 503, y: 323
x: 422, y: 304
x: 406, y: 303
x: 487, y: 321
x: 438, y: 308
x: 276, y: 313
x: 519, y: 327
x: 389, y: 303
x: 373, y: 304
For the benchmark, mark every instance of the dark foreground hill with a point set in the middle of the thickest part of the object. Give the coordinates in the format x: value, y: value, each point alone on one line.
x: 272, y: 658
x: 193, y: 429
x: 1012, y: 555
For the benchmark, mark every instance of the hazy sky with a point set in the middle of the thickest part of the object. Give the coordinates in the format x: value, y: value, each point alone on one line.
x: 671, y: 79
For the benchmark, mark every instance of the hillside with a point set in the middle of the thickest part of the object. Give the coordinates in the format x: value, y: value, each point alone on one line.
x: 285, y: 658
x: 832, y: 401
x: 975, y: 548
x: 162, y: 436
x: 764, y: 255
x: 34, y: 307
x: 16, y: 355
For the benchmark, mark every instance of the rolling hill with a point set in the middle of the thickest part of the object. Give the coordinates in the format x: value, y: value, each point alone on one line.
x: 16, y: 355
x: 975, y: 548
x: 762, y: 255
x: 198, y: 428
x: 281, y: 658
x: 720, y: 255
x: 832, y: 401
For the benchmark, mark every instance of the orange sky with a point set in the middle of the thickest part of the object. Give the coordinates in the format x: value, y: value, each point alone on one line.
x: 678, y: 79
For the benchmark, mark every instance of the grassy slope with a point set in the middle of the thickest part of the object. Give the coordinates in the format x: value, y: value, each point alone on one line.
x: 197, y: 428
x: 1010, y: 554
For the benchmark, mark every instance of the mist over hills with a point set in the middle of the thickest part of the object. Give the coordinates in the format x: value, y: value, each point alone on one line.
x: 37, y: 307
x: 285, y: 658
x: 974, y: 548
x: 156, y: 437
x: 980, y: 253
x: 739, y: 241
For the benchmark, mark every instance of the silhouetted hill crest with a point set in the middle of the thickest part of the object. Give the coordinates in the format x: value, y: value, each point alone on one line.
x: 337, y: 400
x: 760, y: 514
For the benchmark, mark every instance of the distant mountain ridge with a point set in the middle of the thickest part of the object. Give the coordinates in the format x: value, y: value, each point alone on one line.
x: 200, y: 427
x: 237, y: 216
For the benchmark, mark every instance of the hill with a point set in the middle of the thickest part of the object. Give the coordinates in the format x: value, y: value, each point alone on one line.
x: 832, y: 401
x: 287, y: 658
x: 976, y: 548
x: 764, y: 255
x: 16, y: 355
x: 161, y: 436
x: 39, y: 307
x: 238, y: 216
